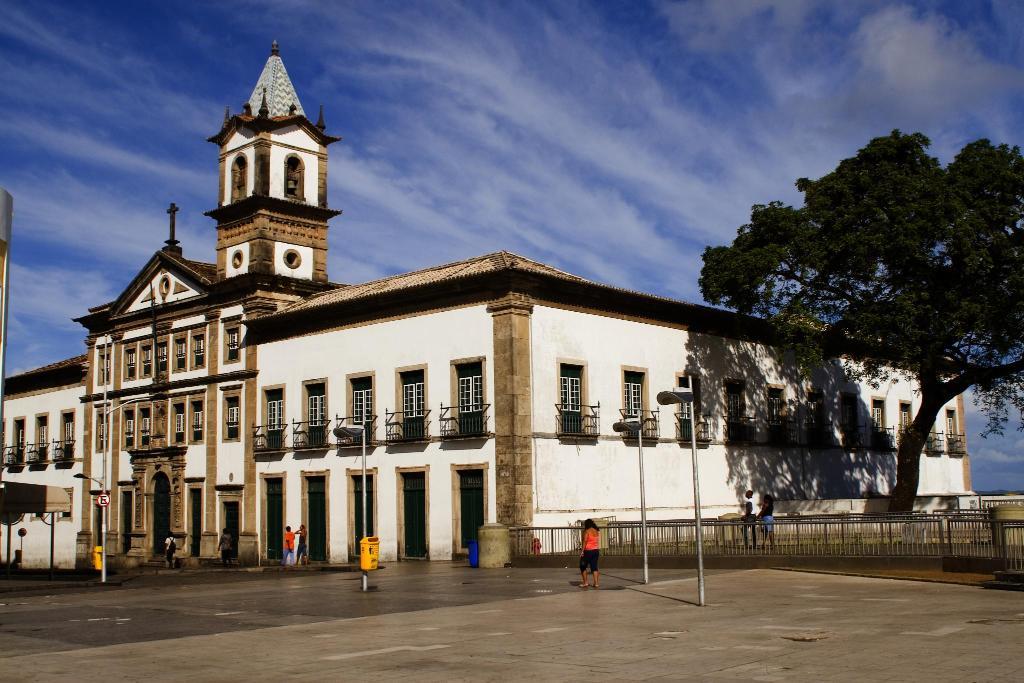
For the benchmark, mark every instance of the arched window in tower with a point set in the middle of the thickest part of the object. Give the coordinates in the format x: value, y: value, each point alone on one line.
x: 293, y: 173
x: 239, y: 178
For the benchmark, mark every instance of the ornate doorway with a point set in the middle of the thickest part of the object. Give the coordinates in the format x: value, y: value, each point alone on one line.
x: 161, y: 511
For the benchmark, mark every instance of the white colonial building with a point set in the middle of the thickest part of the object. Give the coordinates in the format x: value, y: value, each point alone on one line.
x: 487, y: 387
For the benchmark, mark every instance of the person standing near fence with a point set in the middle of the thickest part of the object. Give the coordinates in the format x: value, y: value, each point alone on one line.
x: 590, y: 553
x: 748, y: 509
x: 767, y: 517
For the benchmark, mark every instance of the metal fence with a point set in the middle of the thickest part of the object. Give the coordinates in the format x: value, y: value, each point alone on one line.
x: 960, y: 534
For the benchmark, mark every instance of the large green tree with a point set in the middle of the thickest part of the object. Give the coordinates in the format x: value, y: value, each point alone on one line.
x: 901, y: 266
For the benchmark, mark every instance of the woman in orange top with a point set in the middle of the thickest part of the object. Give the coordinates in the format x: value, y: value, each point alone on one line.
x: 588, y: 558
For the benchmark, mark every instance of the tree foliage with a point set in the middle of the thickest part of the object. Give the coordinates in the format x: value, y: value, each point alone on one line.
x: 911, y: 268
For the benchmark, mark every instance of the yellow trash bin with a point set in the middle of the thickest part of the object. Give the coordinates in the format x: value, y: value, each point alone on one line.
x: 97, y: 557
x: 369, y: 553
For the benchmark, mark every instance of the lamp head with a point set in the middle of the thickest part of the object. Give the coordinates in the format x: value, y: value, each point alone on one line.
x: 680, y: 395
x: 630, y: 426
x: 347, y: 432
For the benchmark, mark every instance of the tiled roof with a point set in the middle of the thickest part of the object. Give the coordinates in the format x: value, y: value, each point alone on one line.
x: 207, y: 272
x: 479, y: 265
x: 281, y: 93
x: 66, y: 363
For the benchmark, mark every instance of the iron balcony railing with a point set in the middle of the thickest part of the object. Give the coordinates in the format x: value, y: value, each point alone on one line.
x: 684, y: 429
x: 781, y: 431
x: 963, y: 534
x: 956, y: 444
x: 14, y: 455
x: 269, y: 438
x: 882, y: 438
x: 406, y: 426
x: 819, y: 434
x: 740, y: 429
x: 648, y: 419
x: 38, y: 452
x: 460, y: 423
x: 63, y: 450
x: 367, y: 422
x: 852, y: 436
x: 578, y: 421
x: 934, y: 443
x: 144, y: 438
x: 311, y: 434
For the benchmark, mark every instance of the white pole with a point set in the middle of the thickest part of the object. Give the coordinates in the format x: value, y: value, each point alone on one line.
x: 6, y: 216
x: 643, y: 501
x: 106, y: 444
x: 696, y: 504
x: 365, y: 578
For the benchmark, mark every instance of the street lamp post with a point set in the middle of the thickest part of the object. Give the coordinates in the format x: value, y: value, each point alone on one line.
x: 630, y: 426
x: 684, y: 396
x: 360, y: 432
x: 108, y: 440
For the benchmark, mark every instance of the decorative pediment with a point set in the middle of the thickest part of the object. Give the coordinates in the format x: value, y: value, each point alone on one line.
x: 165, y: 279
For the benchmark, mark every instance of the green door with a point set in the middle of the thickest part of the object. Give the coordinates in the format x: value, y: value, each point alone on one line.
x: 357, y: 502
x: 471, y: 498
x: 317, y: 516
x: 161, y: 512
x: 231, y: 523
x: 415, y: 505
x: 126, y: 521
x: 275, y: 519
x: 196, y: 517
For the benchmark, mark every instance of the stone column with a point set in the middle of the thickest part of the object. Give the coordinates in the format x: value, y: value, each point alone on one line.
x: 513, y: 418
x: 211, y: 534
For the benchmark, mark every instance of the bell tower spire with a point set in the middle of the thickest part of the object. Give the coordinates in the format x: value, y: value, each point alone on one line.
x: 272, y: 210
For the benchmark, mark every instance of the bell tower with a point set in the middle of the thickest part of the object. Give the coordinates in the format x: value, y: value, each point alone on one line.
x: 272, y: 208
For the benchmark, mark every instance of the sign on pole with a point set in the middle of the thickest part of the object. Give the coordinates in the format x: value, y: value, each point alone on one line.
x: 103, y: 500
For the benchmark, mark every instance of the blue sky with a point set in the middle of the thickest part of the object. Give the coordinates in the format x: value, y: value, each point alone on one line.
x: 612, y: 139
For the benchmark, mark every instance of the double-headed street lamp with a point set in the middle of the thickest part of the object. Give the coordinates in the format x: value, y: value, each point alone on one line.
x: 358, y: 433
x: 684, y: 396
x: 630, y: 427
x: 103, y: 523
x: 108, y: 443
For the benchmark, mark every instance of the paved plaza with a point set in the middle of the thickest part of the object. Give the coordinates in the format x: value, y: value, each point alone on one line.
x: 446, y: 622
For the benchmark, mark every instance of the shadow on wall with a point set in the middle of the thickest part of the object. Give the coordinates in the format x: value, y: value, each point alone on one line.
x: 792, y: 471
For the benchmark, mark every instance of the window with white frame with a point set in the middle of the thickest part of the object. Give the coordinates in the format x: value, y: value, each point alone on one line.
x: 275, y: 409
x: 633, y: 392
x: 412, y: 393
x: 129, y: 363
x: 232, y: 343
x: 129, y: 428
x: 180, y: 354
x: 362, y: 400
x: 316, y: 404
x: 471, y: 387
x: 197, y: 420
x: 569, y: 385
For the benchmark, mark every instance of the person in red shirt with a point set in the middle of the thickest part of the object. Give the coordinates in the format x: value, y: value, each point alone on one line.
x: 288, y: 553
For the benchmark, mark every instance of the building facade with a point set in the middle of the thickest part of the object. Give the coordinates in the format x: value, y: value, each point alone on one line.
x: 210, y: 393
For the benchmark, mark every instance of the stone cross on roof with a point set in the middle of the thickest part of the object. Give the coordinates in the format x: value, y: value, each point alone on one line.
x: 280, y: 92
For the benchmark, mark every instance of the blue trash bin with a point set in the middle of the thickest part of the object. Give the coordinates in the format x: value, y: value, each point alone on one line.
x: 474, y: 554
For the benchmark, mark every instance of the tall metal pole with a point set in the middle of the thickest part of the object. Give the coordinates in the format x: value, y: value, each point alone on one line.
x: 365, y: 576
x: 696, y: 503
x: 105, y: 369
x: 6, y: 217
x: 643, y: 500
